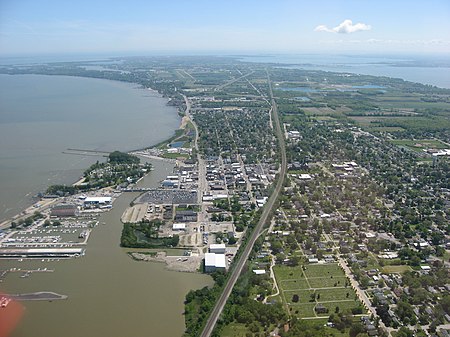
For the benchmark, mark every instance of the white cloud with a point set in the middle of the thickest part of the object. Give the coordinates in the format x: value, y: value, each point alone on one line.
x: 346, y: 27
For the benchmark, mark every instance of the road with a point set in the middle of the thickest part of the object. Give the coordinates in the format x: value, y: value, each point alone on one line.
x: 217, y: 310
x: 220, y: 87
x: 202, y: 183
x: 355, y: 285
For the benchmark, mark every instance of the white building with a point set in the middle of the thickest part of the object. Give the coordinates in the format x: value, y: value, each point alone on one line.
x: 179, y: 226
x: 97, y: 201
x: 217, y: 248
x: 214, y: 262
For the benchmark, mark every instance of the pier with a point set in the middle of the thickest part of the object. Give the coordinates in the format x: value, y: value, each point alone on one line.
x: 38, y: 296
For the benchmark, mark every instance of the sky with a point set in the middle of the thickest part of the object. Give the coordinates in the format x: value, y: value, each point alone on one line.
x: 32, y: 27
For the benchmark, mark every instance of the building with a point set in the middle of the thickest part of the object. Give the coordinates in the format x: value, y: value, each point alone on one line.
x: 214, y: 262
x: 97, y: 201
x: 217, y: 248
x: 179, y: 227
x: 41, y: 253
x: 64, y: 210
x: 186, y: 216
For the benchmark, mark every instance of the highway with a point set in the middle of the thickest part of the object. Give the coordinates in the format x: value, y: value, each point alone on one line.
x: 217, y: 310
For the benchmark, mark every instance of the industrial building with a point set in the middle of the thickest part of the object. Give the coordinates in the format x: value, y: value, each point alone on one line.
x: 214, y: 262
x: 186, y: 216
x: 217, y: 248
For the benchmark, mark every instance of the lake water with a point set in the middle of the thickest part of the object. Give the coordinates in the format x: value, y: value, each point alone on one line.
x: 42, y: 116
x: 395, y: 67
x: 109, y: 293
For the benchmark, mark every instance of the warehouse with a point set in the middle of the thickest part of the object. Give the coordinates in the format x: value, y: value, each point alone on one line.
x: 214, y: 262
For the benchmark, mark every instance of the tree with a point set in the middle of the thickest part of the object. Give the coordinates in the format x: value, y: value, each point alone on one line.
x: 405, y: 332
x: 356, y: 329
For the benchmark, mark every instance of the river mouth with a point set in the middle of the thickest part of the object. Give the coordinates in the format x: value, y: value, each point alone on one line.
x: 109, y: 294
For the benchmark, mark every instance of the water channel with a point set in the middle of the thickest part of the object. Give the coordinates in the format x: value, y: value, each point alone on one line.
x: 109, y: 293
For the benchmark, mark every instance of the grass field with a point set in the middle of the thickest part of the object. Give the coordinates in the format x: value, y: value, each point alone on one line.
x: 303, y: 287
x: 234, y: 330
x: 420, y: 144
x: 396, y: 269
x: 386, y: 129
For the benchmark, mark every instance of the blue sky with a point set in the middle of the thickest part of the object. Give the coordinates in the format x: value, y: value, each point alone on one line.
x: 189, y: 26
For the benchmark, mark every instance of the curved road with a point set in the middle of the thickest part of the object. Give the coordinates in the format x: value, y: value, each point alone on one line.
x: 217, y: 310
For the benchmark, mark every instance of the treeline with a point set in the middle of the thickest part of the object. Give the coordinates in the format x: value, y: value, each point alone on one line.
x: 118, y: 157
x: 145, y: 235
x: 27, y: 221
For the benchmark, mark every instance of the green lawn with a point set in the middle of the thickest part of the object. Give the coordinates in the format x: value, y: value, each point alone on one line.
x: 339, y: 294
x: 303, y: 310
x: 292, y: 281
x: 420, y: 144
x: 288, y: 273
x: 396, y: 269
x: 304, y: 296
x: 322, y: 270
x: 343, y: 306
x: 327, y: 282
x: 294, y: 284
x: 234, y: 330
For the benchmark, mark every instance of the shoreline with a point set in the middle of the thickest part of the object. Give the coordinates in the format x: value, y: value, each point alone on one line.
x: 43, y: 204
x: 186, y: 264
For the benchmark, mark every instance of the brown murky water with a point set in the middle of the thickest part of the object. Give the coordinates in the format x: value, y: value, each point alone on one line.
x: 109, y: 294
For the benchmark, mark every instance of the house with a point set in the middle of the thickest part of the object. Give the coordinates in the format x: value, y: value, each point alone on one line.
x: 371, y: 330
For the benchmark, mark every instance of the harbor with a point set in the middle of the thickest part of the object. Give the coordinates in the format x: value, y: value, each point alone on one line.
x: 92, y: 296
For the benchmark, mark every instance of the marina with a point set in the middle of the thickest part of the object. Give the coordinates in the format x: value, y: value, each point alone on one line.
x: 86, y: 281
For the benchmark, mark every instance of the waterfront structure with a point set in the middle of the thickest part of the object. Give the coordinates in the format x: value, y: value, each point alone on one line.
x: 41, y: 253
x: 97, y: 201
